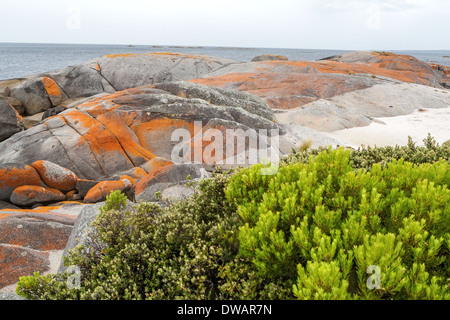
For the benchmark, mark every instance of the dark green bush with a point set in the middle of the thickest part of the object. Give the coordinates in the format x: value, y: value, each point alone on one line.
x: 150, y: 252
x: 309, y: 232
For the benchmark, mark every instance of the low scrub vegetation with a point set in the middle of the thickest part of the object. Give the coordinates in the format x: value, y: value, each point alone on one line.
x: 331, y: 224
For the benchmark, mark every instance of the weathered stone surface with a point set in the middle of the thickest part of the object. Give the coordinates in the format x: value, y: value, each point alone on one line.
x: 155, y: 164
x: 73, y: 195
x: 38, y: 94
x: 16, y: 104
x: 53, y: 112
x: 13, y: 175
x: 30, y: 240
x: 359, y: 108
x: 114, y: 133
x: 34, y: 230
x: 83, y: 186
x: 18, y: 261
x: 291, y: 89
x: 7, y: 205
x: 268, y: 57
x: 81, y: 227
x: 29, y: 195
x: 30, y: 121
x: 10, y: 120
x: 165, y: 177
x: 10, y: 296
x: 101, y: 190
x: 177, y: 192
x: 55, y: 176
x: 109, y: 74
x: 291, y: 84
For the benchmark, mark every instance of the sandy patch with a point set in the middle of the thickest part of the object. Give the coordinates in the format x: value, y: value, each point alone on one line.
x: 391, y: 131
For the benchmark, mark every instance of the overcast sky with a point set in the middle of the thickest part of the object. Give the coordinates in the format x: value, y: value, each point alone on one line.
x: 306, y: 24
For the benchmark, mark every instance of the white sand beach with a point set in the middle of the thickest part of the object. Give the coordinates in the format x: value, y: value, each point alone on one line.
x: 391, y: 131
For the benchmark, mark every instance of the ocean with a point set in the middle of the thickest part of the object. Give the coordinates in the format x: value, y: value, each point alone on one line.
x: 23, y: 59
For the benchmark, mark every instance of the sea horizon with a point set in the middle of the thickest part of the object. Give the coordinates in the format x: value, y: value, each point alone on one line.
x: 15, y: 62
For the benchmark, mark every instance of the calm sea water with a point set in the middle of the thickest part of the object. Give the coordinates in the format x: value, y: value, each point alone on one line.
x: 18, y: 60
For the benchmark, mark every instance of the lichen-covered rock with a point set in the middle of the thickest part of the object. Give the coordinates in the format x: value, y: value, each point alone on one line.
x: 20, y: 261
x: 29, y: 195
x: 292, y: 84
x: 38, y: 94
x: 13, y: 175
x: 177, y: 192
x: 161, y: 179
x: 7, y: 205
x: 53, y: 112
x: 84, y: 185
x: 10, y: 120
x: 101, y: 190
x: 111, y: 134
x: 32, y: 240
x: 35, y: 231
x: 268, y: 57
x: 55, y: 176
x: 109, y: 74
x: 73, y: 195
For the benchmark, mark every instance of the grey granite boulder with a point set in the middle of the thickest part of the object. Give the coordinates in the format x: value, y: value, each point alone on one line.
x: 111, y: 134
x: 109, y: 74
x: 145, y: 189
x: 10, y: 120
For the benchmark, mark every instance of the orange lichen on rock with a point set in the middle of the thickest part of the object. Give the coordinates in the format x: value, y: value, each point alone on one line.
x: 44, y: 209
x: 127, y: 177
x: 155, y: 164
x: 28, y: 195
x: 56, y: 176
x: 101, y: 190
x: 99, y: 105
x: 137, y: 173
x: 51, y: 87
x: 288, y: 90
x: 157, y: 130
x: 18, y: 261
x: 121, y: 55
x: 118, y: 124
x: 101, y: 141
x: 142, y: 184
x: 16, y: 175
x: 34, y: 231
x: 290, y: 84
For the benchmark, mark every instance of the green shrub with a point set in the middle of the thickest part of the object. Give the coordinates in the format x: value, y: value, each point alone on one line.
x: 151, y: 252
x: 318, y: 227
x: 366, y: 157
x: 312, y: 231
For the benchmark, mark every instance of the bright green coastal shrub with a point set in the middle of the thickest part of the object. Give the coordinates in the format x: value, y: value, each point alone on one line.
x: 318, y: 229
x: 319, y: 226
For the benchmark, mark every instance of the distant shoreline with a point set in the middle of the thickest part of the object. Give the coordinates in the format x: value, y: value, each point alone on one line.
x: 16, y: 61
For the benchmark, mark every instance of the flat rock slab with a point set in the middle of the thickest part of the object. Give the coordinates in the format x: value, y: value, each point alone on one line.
x: 359, y: 108
x: 18, y: 261
x: 31, y: 239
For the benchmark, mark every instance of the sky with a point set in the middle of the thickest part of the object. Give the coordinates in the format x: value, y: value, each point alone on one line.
x: 301, y: 24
